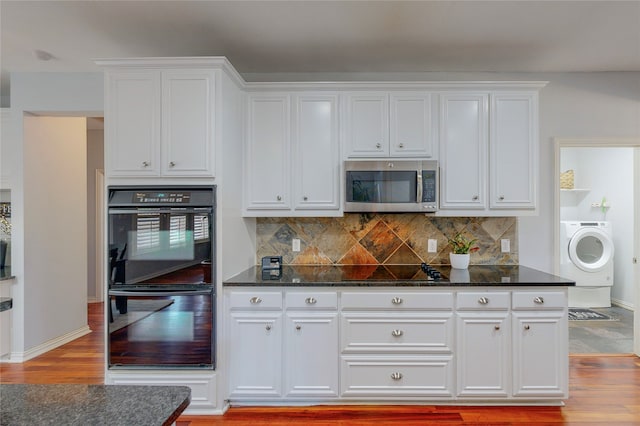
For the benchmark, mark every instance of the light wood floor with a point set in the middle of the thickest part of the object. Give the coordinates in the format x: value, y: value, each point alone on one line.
x: 604, y: 390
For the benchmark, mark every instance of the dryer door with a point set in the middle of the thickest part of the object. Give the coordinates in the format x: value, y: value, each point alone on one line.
x: 590, y: 249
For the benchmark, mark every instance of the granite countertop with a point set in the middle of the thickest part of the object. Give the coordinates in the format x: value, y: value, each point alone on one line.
x: 112, y: 405
x: 395, y: 276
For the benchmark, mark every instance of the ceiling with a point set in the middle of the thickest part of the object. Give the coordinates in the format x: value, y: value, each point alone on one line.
x: 325, y: 37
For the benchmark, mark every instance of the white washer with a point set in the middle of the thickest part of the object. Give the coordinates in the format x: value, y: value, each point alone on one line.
x: 587, y: 258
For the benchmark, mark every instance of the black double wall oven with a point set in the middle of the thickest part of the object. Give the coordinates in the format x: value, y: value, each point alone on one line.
x: 161, y: 258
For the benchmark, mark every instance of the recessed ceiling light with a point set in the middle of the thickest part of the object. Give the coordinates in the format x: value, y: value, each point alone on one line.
x: 43, y: 55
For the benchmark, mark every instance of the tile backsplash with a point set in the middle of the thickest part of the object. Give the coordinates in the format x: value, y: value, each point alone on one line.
x: 390, y: 239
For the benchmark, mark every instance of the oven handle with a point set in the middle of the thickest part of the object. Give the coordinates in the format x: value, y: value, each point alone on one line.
x: 152, y: 211
x: 159, y: 293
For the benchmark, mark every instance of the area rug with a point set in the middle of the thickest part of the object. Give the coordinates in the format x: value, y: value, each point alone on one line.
x: 136, y: 310
x: 583, y: 314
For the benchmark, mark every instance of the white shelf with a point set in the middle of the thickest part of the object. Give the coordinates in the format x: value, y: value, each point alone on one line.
x: 575, y: 190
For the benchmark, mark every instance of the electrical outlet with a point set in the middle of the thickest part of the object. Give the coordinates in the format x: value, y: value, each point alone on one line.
x: 432, y: 246
x: 505, y: 245
x: 295, y: 244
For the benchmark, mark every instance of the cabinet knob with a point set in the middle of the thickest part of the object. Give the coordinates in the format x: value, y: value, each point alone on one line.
x: 305, y: 198
x: 501, y: 198
x: 539, y: 300
x: 298, y: 327
x: 397, y: 301
x: 268, y: 327
x: 279, y: 198
x: 397, y: 333
x: 171, y: 164
x: 378, y: 145
x: 496, y: 327
x: 483, y: 300
x: 526, y: 327
x: 396, y: 376
x: 255, y: 300
x: 310, y: 301
x: 401, y: 145
x: 145, y: 164
x: 475, y: 198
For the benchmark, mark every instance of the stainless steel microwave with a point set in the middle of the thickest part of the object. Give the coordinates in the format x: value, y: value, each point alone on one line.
x: 391, y: 186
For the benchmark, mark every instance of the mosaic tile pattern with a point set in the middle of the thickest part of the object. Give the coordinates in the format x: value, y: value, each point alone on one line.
x: 383, y: 239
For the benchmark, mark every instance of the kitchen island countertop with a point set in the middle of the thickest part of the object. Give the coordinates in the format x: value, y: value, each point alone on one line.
x: 394, y: 276
x: 72, y: 404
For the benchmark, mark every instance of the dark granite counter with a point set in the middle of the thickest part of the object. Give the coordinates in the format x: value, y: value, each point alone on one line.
x: 395, y: 276
x: 92, y: 404
x: 6, y: 303
x: 5, y: 273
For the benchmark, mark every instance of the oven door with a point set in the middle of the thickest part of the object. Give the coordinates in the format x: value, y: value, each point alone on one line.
x: 160, y: 245
x: 162, y: 329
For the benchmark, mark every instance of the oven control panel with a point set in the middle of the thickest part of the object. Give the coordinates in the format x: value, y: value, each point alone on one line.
x: 162, y: 197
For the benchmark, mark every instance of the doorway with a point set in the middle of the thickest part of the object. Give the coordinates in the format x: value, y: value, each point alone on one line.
x: 600, y: 197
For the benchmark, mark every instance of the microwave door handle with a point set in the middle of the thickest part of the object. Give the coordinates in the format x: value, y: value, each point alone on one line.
x: 419, y: 189
x: 152, y: 293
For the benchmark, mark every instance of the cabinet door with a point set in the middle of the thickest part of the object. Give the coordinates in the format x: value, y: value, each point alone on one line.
x: 188, y: 122
x: 483, y: 354
x: 268, y: 159
x: 540, y: 354
x: 513, y: 151
x: 463, y: 151
x: 410, y: 125
x: 368, y: 125
x: 132, y: 123
x: 311, y: 355
x: 255, y: 355
x: 316, y: 164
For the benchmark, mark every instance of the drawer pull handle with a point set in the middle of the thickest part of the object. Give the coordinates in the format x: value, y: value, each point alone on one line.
x: 378, y: 146
x: 396, y: 301
x: 298, y: 327
x: 483, y: 300
x: 538, y: 300
x: 268, y: 327
x: 474, y: 198
x: 527, y: 327
x: 396, y: 376
x: 496, y: 327
x: 397, y: 333
x: 172, y: 164
x: 145, y: 164
x: 255, y: 300
x: 310, y: 301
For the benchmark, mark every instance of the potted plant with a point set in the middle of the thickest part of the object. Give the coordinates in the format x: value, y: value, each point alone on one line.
x: 5, y: 233
x: 461, y: 246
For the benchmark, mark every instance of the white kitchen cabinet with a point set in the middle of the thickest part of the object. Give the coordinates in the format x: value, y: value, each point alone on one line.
x: 268, y: 150
x: 463, y: 151
x: 513, y: 150
x: 483, y: 344
x: 292, y: 148
x: 255, y: 327
x: 316, y: 152
x: 383, y: 124
x: 311, y: 364
x: 540, y: 344
x: 160, y: 122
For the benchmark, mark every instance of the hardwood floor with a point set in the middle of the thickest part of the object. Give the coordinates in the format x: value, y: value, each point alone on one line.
x: 604, y: 390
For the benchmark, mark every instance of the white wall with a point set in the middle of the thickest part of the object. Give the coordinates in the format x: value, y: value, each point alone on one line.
x: 54, y: 93
x: 609, y: 173
x: 95, y: 161
x: 55, y: 227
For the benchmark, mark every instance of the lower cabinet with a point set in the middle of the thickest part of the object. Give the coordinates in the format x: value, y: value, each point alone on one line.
x: 320, y: 345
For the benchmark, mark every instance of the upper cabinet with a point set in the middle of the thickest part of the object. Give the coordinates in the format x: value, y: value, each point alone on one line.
x: 389, y: 124
x: 160, y: 122
x: 292, y: 154
x: 488, y: 151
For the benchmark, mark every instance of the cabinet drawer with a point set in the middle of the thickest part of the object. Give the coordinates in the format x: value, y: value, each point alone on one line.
x: 539, y: 300
x: 311, y: 300
x: 371, y: 333
x: 483, y: 300
x: 255, y: 300
x: 397, y: 300
x: 399, y: 377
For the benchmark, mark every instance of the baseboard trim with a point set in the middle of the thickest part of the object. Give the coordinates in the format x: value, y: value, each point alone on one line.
x: 19, y: 357
x: 622, y: 304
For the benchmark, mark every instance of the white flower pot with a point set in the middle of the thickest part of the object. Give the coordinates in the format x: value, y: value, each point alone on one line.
x: 459, y: 261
